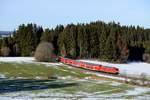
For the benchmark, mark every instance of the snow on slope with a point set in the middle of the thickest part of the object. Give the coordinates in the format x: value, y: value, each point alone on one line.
x: 2, y: 76
x: 25, y: 60
x: 17, y: 59
x: 135, y: 68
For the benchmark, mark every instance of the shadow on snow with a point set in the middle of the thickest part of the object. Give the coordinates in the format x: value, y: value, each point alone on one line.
x: 30, y: 84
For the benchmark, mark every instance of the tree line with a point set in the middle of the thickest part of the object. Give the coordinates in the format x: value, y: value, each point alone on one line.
x: 96, y: 40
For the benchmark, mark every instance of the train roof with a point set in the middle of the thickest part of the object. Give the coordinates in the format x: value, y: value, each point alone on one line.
x: 93, y: 64
x: 90, y: 63
x: 97, y: 64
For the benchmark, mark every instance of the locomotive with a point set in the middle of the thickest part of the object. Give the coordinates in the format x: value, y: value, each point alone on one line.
x: 89, y: 66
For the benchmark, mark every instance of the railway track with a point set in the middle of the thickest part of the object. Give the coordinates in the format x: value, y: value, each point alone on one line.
x: 98, y: 73
x: 118, y: 77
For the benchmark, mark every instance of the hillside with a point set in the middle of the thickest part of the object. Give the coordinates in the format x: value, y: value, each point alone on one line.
x: 132, y: 69
x: 24, y: 78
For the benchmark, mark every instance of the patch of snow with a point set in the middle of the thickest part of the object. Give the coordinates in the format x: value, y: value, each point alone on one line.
x: 38, y: 77
x: 104, y: 91
x: 66, y: 77
x: 49, y: 64
x: 74, y: 72
x: 137, y: 91
x: 63, y: 70
x: 7, y: 98
x: 25, y: 60
x: 17, y: 59
x: 101, y: 82
x: 20, y: 77
x: 115, y: 84
x: 50, y: 95
x: 2, y: 76
x: 107, y: 76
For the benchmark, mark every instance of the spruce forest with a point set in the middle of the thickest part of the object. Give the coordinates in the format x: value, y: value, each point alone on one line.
x: 96, y: 40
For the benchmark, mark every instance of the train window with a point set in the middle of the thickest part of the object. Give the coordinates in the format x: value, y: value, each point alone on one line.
x: 115, y: 68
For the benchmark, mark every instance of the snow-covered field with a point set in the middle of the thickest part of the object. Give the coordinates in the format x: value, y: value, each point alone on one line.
x: 133, y: 69
x: 136, y: 92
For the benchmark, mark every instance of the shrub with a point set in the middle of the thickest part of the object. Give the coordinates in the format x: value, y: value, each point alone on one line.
x: 0, y: 52
x: 146, y: 57
x: 5, y: 51
x: 44, y: 52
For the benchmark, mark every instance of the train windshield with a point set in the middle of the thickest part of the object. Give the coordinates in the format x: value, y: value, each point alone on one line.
x: 117, y: 69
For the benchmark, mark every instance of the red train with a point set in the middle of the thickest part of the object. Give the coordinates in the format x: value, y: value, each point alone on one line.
x: 94, y: 67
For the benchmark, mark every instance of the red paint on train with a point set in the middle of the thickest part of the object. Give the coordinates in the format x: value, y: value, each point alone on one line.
x: 95, y: 67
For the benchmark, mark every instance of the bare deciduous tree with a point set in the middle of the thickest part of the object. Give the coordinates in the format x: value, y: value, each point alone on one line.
x: 5, y: 51
x: 44, y: 52
x: 146, y: 57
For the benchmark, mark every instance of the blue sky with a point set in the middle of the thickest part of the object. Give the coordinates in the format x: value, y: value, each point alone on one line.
x: 49, y: 13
